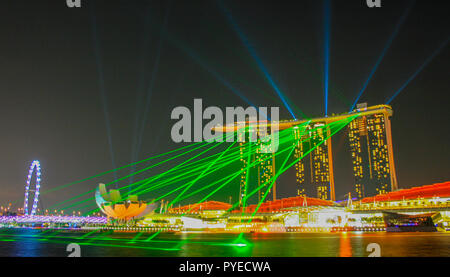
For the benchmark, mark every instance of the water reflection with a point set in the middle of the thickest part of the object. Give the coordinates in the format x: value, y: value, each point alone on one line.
x: 27, y: 247
x: 345, y: 247
x: 32, y: 243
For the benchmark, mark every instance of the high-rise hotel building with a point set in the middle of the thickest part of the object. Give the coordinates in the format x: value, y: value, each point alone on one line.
x: 370, y: 147
x: 318, y: 164
x: 372, y: 154
x: 299, y: 152
x: 243, y: 155
x: 371, y: 151
x: 266, y: 169
x: 263, y: 157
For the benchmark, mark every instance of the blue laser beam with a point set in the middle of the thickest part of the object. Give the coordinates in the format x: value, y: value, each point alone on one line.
x: 149, y: 93
x: 205, y: 65
x: 383, y: 53
x: 102, y: 89
x: 327, y: 34
x: 177, y: 43
x: 252, y: 52
x: 427, y: 61
x: 140, y: 92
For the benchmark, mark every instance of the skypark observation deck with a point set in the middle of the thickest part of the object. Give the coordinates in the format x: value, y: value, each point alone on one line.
x: 286, y: 124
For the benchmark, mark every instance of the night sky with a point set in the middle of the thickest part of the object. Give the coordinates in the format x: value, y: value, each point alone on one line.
x: 65, y: 73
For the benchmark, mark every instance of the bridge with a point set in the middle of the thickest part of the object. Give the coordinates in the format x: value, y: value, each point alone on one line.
x: 52, y: 219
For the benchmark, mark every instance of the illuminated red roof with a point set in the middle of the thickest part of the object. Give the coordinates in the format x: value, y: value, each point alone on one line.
x: 286, y: 203
x: 429, y: 191
x: 205, y: 206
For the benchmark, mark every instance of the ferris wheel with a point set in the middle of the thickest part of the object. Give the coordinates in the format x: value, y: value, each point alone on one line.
x: 35, y: 167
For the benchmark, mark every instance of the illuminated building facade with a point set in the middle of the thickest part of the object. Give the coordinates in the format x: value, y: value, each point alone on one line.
x: 243, y: 176
x: 320, y: 160
x: 322, y: 163
x: 299, y: 152
x: 261, y: 154
x: 408, y: 208
x: 371, y: 150
x: 266, y: 169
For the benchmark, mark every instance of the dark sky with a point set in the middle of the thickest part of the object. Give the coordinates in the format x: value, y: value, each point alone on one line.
x: 51, y: 79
